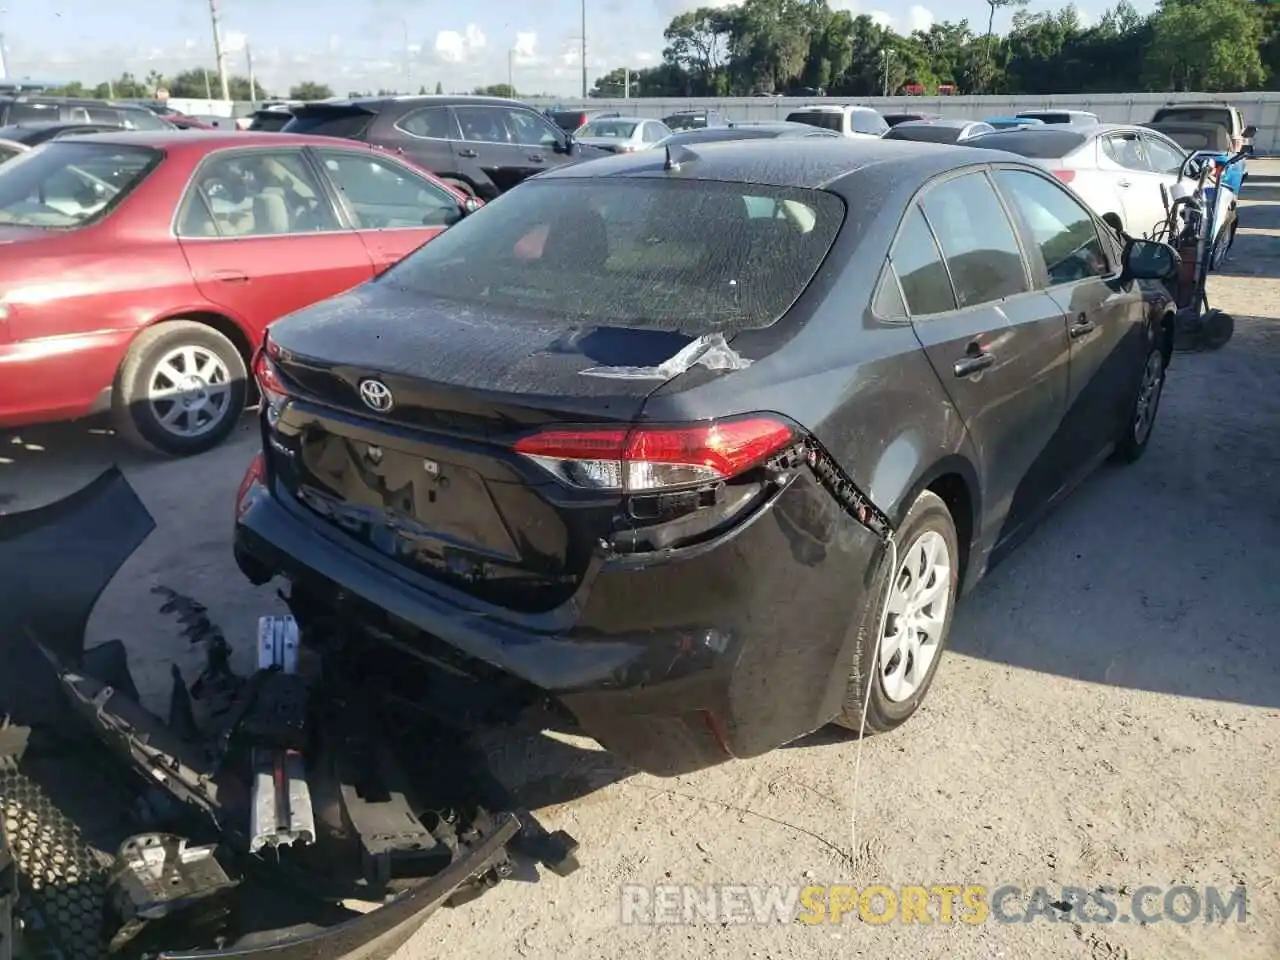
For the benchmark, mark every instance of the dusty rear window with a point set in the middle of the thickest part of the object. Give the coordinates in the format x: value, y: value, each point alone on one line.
x: 1037, y: 143
x: 65, y: 184
x: 329, y: 121
x: 825, y: 119
x: 692, y: 256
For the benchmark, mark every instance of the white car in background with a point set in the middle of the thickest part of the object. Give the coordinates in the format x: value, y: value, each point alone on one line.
x: 1115, y: 168
x: 622, y: 134
x: 848, y: 121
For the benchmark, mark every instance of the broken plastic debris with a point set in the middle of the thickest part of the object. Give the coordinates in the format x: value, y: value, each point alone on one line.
x: 711, y: 351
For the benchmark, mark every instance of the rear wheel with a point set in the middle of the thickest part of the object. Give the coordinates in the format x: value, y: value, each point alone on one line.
x: 920, y: 605
x: 181, y: 389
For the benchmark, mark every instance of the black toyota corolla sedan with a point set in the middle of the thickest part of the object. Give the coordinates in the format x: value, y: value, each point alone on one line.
x: 698, y: 447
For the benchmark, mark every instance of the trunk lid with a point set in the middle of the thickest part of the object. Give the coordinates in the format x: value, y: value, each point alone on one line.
x: 430, y: 481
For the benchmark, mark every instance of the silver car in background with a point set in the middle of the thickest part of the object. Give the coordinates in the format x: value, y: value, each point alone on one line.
x: 622, y: 134
x: 1114, y: 167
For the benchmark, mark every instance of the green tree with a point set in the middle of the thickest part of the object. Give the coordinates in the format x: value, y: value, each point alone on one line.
x: 496, y: 90
x: 310, y: 90
x: 1212, y: 45
x: 698, y: 43
x: 439, y: 88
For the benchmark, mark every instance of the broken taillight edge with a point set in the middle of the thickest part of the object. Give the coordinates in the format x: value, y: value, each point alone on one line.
x: 648, y: 458
x: 275, y: 394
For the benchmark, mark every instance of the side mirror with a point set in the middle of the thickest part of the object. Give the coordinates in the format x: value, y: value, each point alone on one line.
x: 567, y: 145
x: 1150, y: 260
x: 1249, y: 132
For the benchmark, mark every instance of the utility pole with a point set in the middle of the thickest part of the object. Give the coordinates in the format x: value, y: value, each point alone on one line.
x: 217, y: 50
x: 208, y: 90
x: 626, y: 83
x: 4, y: 63
x: 511, y: 72
x: 584, y: 49
x: 408, y: 63
x: 884, y: 57
x: 253, y: 86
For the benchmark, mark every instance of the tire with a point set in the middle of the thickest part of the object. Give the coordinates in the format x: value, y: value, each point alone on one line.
x: 1218, y: 328
x: 175, y: 344
x: 928, y: 520
x: 460, y: 185
x: 1136, y: 435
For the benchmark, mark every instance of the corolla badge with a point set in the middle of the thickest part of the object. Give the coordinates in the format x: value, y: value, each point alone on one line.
x: 376, y: 395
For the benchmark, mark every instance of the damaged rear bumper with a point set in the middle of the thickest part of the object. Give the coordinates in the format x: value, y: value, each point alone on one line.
x: 727, y: 649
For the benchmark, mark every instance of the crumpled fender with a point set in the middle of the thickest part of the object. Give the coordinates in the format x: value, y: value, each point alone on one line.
x: 55, y: 561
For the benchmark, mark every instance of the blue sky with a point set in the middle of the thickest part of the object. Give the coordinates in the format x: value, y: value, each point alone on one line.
x: 352, y: 44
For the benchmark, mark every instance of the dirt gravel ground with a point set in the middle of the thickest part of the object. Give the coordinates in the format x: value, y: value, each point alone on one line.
x: 1108, y: 714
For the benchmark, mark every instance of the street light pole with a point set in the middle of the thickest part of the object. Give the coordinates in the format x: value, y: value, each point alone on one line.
x: 217, y: 49
x: 584, y: 49
x: 511, y: 73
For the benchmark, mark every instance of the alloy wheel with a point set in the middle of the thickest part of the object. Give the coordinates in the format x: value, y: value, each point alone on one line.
x: 1148, y: 396
x: 189, y: 391
x: 919, y: 601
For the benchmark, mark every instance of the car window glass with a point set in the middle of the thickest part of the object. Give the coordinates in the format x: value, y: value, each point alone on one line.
x: 918, y: 262
x: 1063, y: 230
x: 68, y: 184
x: 7, y: 151
x: 868, y: 121
x: 529, y: 129
x: 1126, y: 150
x: 383, y: 194
x: 482, y: 124
x: 137, y: 119
x: 27, y: 112
x: 1163, y: 157
x: 888, y: 300
x: 104, y: 115
x: 260, y: 193
x: 433, y: 122
x: 977, y: 239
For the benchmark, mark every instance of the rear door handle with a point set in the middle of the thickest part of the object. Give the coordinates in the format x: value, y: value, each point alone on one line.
x: 973, y: 363
x: 230, y: 276
x: 536, y: 157
x: 1082, y: 326
x: 1123, y: 183
x: 468, y: 153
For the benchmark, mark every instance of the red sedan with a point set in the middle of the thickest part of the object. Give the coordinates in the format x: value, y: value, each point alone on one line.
x: 139, y: 269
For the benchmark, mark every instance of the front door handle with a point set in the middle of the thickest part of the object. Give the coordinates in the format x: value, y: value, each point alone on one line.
x: 468, y: 153
x: 1083, y: 325
x: 973, y: 363
x: 230, y: 276
x: 536, y: 158
x: 1123, y: 183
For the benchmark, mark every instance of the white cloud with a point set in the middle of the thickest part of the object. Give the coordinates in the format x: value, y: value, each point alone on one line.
x: 526, y: 47
x: 453, y: 46
x: 919, y: 18
x: 233, y: 41
x: 881, y: 18
x: 644, y: 56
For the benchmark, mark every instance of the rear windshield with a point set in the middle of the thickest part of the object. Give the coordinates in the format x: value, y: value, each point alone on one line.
x: 1052, y: 117
x: 1220, y: 115
x: 686, y: 121
x: 927, y: 132
x: 893, y: 119
x: 818, y: 118
x: 348, y: 122
x: 1036, y: 143
x: 29, y: 112
x: 272, y: 121
x: 64, y: 184
x: 618, y: 129
x: 691, y: 256
x: 568, y: 120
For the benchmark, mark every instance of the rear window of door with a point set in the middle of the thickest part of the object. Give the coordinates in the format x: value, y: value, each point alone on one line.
x: 1126, y: 150
x: 868, y: 121
x: 529, y: 129
x: 977, y: 239
x: 482, y: 124
x: 431, y: 123
x: 916, y: 259
x: 384, y: 195
x: 255, y: 194
x: 137, y: 119
x: 1062, y: 228
x: 689, y: 255
x: 1163, y: 157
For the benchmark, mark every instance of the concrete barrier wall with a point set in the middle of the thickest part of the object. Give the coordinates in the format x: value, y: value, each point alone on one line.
x: 1260, y: 109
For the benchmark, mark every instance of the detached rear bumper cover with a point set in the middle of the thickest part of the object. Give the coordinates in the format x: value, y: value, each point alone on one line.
x: 725, y: 650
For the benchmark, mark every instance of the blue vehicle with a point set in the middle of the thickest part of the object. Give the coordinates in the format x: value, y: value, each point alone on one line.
x: 1012, y: 123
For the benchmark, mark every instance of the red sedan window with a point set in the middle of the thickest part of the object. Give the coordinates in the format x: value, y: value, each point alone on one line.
x: 67, y: 184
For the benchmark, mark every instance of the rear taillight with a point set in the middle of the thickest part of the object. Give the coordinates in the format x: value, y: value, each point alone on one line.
x: 1066, y: 176
x: 646, y: 458
x: 256, y: 473
x: 270, y: 384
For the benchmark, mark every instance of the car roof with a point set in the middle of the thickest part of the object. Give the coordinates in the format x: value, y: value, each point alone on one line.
x: 625, y: 119
x: 416, y: 100
x: 954, y: 123
x: 831, y: 108
x: 819, y: 163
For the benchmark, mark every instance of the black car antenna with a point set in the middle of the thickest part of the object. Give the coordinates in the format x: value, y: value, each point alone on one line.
x: 678, y: 155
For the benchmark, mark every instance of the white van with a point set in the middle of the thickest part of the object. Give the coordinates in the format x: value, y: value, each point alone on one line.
x: 845, y: 120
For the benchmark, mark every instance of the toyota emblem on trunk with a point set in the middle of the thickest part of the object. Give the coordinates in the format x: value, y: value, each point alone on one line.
x: 376, y: 395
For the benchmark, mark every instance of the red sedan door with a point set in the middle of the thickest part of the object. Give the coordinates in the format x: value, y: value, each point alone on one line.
x: 262, y: 237
x: 394, y: 207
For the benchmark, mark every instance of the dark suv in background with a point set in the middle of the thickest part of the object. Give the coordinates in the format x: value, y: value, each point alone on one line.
x: 24, y: 109
x: 481, y: 145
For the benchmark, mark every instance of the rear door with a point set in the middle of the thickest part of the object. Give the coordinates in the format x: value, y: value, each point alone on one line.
x: 998, y: 346
x: 1123, y: 156
x: 428, y: 137
x: 262, y: 236
x: 1104, y: 318
x: 393, y: 209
